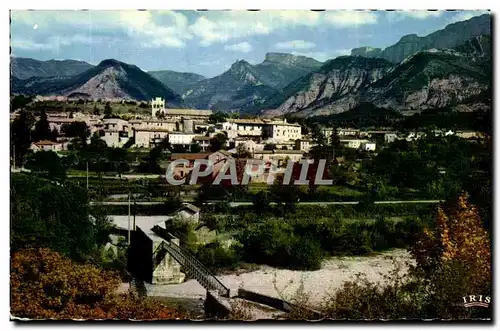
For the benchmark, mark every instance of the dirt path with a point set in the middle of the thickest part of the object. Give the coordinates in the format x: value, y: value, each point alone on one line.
x: 285, y: 283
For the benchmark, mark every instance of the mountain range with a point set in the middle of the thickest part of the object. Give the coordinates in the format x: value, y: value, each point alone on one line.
x: 180, y: 82
x: 24, y: 68
x: 245, y: 84
x: 427, y: 79
x: 451, y: 36
x: 111, y: 79
x: 445, y: 68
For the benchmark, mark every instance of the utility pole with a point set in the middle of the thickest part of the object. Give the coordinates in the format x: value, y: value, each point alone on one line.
x: 87, y: 175
x: 14, y: 158
x: 135, y: 211
x: 129, y: 218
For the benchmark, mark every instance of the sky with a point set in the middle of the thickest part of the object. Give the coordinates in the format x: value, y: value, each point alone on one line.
x: 208, y: 42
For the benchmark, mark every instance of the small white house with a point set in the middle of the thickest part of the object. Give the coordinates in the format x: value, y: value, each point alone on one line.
x: 368, y: 146
x: 189, y: 212
x: 180, y: 138
x: 47, y: 145
x: 353, y: 143
x: 390, y: 137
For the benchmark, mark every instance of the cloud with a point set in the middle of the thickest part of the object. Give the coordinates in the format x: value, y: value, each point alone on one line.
x: 466, y: 15
x: 28, y: 45
x: 350, y: 18
x: 221, y: 28
x: 416, y: 14
x: 244, y: 47
x: 146, y: 28
x: 295, y: 44
x: 214, y: 27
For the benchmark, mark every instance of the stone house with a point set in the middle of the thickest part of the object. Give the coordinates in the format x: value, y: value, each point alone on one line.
x: 47, y: 145
x: 148, y: 261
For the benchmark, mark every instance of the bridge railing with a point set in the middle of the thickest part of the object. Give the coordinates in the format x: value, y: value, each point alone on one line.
x: 194, y: 267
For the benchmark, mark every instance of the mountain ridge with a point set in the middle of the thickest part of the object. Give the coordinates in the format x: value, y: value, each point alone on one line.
x: 245, y: 84
x: 428, y: 79
x: 450, y: 36
x: 179, y: 82
x: 24, y: 68
x: 110, y: 79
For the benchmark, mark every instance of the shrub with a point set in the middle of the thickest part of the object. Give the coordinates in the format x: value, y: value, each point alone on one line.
x: 44, y: 284
x: 51, y: 214
x: 453, y: 260
x: 307, y: 254
x: 215, y: 256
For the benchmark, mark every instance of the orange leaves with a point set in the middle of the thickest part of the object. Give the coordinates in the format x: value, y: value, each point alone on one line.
x: 460, y: 238
x: 45, y: 284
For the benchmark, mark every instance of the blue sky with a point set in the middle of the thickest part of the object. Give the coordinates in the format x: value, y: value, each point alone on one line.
x: 208, y: 42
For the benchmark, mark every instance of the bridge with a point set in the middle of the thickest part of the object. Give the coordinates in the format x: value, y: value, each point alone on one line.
x: 193, y: 267
x: 222, y: 302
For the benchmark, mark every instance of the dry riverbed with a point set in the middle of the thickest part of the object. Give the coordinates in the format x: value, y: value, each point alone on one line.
x: 285, y: 283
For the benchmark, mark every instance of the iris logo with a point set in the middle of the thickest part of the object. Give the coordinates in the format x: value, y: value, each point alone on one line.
x: 476, y: 301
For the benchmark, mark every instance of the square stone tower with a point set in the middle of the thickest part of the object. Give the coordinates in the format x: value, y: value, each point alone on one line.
x: 157, y: 104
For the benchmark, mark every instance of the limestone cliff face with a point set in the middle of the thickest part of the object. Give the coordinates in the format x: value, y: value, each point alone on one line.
x: 335, y: 80
x: 451, y: 36
x: 366, y: 51
x: 430, y: 79
x: 245, y: 86
x: 104, y: 86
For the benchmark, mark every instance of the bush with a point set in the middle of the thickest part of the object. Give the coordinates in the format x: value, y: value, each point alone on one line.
x: 215, y: 257
x: 453, y: 260
x: 51, y: 214
x: 307, y: 254
x: 45, y: 284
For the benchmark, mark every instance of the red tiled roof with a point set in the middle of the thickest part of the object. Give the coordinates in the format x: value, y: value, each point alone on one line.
x: 46, y: 143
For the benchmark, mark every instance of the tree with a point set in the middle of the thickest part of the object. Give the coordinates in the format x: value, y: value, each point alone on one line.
x: 50, y: 214
x: 96, y: 110
x: 318, y: 136
x: 76, y: 130
x: 19, y: 102
x: 46, y: 164
x: 459, y: 237
x: 42, y: 129
x: 218, y: 142
x: 334, y: 141
x: 118, y: 157
x: 241, y: 152
x: 46, y: 284
x: 94, y: 153
x: 286, y: 196
x: 20, y: 130
x: 261, y: 201
x: 217, y: 117
x: 150, y: 163
x: 108, y: 111
x: 195, y: 148
x: 178, y: 148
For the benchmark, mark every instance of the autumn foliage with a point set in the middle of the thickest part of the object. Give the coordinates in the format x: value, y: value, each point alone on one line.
x: 47, y: 285
x: 459, y: 238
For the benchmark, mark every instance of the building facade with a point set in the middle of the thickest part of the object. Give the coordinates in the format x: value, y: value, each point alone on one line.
x: 157, y: 105
x: 148, y: 138
x: 282, y: 131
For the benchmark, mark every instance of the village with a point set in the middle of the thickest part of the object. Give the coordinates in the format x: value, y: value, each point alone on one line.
x: 270, y: 140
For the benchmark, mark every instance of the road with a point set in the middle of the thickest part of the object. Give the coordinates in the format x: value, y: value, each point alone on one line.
x: 247, y: 203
